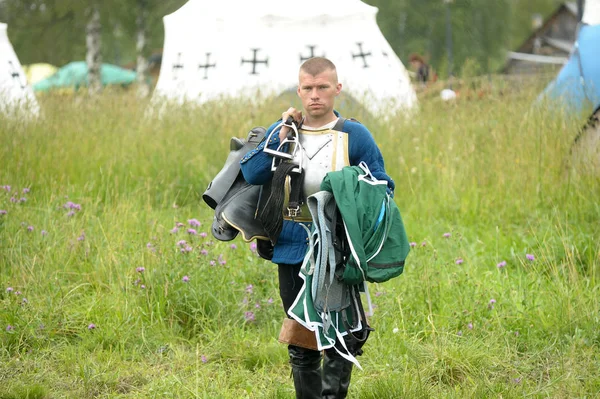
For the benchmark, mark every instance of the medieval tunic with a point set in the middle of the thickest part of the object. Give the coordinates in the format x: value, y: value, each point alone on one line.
x: 292, y: 243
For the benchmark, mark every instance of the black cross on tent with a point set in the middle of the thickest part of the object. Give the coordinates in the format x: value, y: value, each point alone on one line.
x: 176, y: 66
x: 312, y: 53
x: 361, y: 54
x: 206, y: 66
x: 15, y: 74
x: 255, y: 61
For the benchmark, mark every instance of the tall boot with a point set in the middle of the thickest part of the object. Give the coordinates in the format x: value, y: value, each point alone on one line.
x: 306, y: 370
x: 336, y: 376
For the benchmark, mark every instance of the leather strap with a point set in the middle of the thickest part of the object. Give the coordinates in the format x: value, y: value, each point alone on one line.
x: 294, y: 333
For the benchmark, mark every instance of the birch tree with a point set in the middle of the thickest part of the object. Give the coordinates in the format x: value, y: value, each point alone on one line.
x: 143, y: 88
x: 93, y: 43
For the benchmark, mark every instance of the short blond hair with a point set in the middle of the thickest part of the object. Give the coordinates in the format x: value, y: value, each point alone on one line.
x: 317, y: 65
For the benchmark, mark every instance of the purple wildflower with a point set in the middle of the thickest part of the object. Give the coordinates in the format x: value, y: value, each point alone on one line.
x: 7, y: 188
x: 203, y: 359
x: 91, y: 326
x: 174, y: 230
x: 186, y: 249
x: 257, y: 306
x: 447, y: 235
x: 24, y: 301
x: 233, y: 246
x: 249, y: 288
x: 253, y: 246
x: 13, y: 199
x: 18, y: 292
x: 185, y: 279
x: 203, y: 235
x: 3, y: 212
x: 470, y: 326
x: 179, y: 224
x: 413, y: 244
x: 44, y: 233
x: 424, y: 244
x: 516, y: 333
x: 81, y: 237
x: 249, y: 316
x: 212, y: 263
x: 204, y: 252
x: 378, y: 293
x: 491, y: 303
x: 517, y: 380
x: 194, y: 223
x: 149, y: 245
x: 459, y: 333
x: 25, y: 190
x: 9, y: 328
x: 9, y: 289
x: 143, y: 286
x: 501, y: 264
x: 29, y: 228
x: 181, y: 243
x: 72, y: 205
x: 23, y: 199
x: 71, y: 213
x: 192, y: 232
x: 140, y: 269
x: 459, y: 261
x: 530, y: 257
x: 270, y: 300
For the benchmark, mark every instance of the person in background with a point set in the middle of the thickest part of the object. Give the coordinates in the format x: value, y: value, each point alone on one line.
x: 421, y: 68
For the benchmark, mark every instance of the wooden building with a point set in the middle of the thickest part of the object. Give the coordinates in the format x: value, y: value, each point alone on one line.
x: 548, y: 47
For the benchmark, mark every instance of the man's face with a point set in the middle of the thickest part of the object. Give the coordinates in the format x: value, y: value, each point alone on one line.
x: 318, y: 93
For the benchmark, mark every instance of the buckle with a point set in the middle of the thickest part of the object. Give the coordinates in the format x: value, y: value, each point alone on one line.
x: 294, y: 212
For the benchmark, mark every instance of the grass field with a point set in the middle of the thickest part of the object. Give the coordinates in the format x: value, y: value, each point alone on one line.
x: 99, y: 298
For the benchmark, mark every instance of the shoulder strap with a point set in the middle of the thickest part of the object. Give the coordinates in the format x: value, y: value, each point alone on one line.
x: 339, y: 124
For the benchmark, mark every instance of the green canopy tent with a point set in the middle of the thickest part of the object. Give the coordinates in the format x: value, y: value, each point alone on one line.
x: 75, y: 75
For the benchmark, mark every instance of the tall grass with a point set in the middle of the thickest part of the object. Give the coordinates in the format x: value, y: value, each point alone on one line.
x: 499, y: 297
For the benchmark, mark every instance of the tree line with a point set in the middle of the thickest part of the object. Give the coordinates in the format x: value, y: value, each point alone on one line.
x: 481, y: 31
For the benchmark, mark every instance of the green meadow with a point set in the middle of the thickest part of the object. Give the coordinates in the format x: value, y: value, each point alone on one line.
x: 105, y: 292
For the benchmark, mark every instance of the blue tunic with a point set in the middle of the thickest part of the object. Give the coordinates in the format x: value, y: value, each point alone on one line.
x: 256, y: 167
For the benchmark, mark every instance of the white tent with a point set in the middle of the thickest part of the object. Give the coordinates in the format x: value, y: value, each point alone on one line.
x: 16, y: 96
x: 232, y: 48
x: 591, y: 12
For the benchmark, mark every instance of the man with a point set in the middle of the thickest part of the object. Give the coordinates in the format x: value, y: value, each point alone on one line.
x: 418, y: 64
x: 325, y: 149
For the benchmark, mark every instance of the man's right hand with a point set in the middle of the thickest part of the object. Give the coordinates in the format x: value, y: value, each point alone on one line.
x: 295, y: 114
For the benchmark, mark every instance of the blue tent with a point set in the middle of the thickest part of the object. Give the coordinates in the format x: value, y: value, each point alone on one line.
x: 75, y: 75
x: 577, y: 85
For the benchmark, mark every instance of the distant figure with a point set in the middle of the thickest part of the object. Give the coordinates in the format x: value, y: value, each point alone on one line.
x: 420, y: 66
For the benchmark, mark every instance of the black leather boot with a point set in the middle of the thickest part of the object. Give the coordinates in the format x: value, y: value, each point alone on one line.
x: 336, y: 376
x: 306, y: 370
